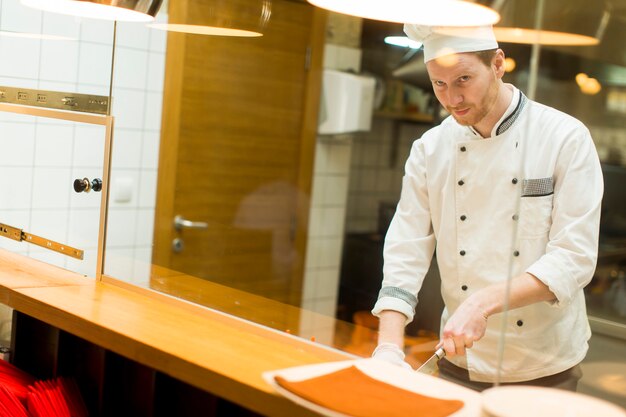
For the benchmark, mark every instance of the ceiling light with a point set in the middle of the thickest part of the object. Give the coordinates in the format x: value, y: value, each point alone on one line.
x: 588, y: 85
x: 402, y: 41
x: 428, y: 12
x: 204, y: 30
x: 561, y: 23
x: 121, y: 10
x: 509, y: 64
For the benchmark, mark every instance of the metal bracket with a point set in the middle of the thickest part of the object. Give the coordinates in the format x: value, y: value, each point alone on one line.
x: 14, y: 233
x: 87, y: 103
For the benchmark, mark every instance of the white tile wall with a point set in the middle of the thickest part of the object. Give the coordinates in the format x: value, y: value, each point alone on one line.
x: 47, y: 155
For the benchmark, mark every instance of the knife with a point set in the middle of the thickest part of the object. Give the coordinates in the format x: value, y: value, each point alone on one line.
x: 431, y: 366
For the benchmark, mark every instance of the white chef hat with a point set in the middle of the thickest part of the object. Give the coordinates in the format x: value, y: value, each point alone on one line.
x: 439, y: 41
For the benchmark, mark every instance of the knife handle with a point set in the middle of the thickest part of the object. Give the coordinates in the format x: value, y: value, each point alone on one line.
x: 440, y: 353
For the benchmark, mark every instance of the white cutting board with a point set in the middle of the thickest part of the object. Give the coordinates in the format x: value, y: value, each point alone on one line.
x: 391, y: 374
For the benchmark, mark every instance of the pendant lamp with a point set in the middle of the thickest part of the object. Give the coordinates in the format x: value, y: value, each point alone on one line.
x: 221, y: 18
x: 120, y: 10
x: 426, y: 12
x: 562, y: 22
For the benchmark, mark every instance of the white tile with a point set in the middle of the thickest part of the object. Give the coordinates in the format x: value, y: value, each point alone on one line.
x: 133, y: 35
x: 15, y: 17
x: 310, y: 283
x: 51, y: 224
x: 145, y: 228
x: 122, y: 178
x: 158, y: 38
x: 316, y: 221
x: 128, y: 108
x: 142, y: 267
x: 322, y: 150
x: 16, y: 82
x: 130, y: 68
x: 156, y: 71
x: 51, y: 188
x: 24, y: 61
x: 327, y: 283
x: 119, y: 263
x: 330, y: 252
x: 336, y: 191
x: 97, y: 30
x: 318, y: 190
x: 96, y: 90
x: 339, y: 162
x: 127, y: 149
x: 47, y: 256
x: 121, y: 228
x: 54, y: 145
x: 89, y: 146
x: 20, y: 191
x: 313, y: 253
x: 333, y: 221
x: 95, y: 64
x: 86, y: 266
x: 83, y: 228
x: 154, y: 106
x: 148, y: 188
x: 150, y: 150
x: 62, y: 86
x: 61, y: 25
x: 20, y: 139
x: 59, y: 61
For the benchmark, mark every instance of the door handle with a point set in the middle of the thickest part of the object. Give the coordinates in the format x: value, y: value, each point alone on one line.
x: 181, y: 223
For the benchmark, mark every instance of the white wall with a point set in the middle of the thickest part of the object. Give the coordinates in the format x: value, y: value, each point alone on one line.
x: 40, y: 158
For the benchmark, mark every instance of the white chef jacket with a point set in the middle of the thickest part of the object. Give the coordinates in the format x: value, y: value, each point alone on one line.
x: 525, y: 199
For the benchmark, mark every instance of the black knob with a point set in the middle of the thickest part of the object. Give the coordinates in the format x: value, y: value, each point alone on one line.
x: 81, y: 185
x: 85, y: 185
x: 96, y: 184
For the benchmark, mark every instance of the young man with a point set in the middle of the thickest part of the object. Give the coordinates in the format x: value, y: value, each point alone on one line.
x: 503, y: 188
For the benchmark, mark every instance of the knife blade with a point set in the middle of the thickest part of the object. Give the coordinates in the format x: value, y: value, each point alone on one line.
x: 431, y: 366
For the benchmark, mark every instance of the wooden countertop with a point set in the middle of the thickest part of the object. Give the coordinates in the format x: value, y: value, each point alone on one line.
x: 211, y: 350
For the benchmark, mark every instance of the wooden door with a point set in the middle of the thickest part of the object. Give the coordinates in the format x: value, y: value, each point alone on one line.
x: 237, y: 145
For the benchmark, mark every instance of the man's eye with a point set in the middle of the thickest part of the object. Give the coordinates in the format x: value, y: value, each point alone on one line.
x: 464, y: 78
x: 439, y: 83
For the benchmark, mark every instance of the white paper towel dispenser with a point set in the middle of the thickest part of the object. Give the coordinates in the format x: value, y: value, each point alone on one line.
x: 346, y: 104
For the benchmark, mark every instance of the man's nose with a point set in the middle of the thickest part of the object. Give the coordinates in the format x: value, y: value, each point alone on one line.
x: 454, y: 97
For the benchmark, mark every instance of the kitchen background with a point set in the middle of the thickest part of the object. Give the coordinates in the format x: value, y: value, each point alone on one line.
x: 356, y: 175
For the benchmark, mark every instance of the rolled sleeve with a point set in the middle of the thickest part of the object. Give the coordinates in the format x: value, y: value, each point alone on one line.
x: 410, y: 241
x: 572, y: 249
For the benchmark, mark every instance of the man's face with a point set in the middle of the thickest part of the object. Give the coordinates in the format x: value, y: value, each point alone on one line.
x: 465, y: 86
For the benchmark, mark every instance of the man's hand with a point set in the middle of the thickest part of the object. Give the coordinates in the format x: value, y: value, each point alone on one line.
x: 464, y: 327
x: 390, y: 352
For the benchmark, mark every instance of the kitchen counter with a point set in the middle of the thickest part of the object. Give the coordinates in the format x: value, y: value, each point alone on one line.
x: 206, y: 349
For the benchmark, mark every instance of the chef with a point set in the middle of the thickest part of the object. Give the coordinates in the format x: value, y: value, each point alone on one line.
x: 508, y: 192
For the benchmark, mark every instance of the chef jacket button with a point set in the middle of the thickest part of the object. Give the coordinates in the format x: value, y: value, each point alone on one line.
x: 462, y: 253
x: 515, y: 217
x: 463, y: 217
x: 520, y: 323
x: 514, y: 180
x: 461, y: 182
x: 464, y: 287
x: 516, y: 253
x: 463, y: 148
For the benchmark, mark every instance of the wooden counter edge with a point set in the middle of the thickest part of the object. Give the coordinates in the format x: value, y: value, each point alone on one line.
x: 214, y: 380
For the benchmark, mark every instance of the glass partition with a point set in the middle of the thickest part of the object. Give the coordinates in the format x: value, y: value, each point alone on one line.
x: 224, y: 191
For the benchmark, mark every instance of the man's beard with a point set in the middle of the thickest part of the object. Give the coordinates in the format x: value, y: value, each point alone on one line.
x: 476, y: 113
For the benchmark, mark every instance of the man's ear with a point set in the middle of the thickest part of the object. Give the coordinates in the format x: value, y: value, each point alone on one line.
x: 498, y: 63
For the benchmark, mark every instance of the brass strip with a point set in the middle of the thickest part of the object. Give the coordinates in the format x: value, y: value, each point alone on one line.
x: 53, y: 246
x: 85, y: 103
x: 104, y: 202
x: 10, y: 232
x: 14, y: 233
